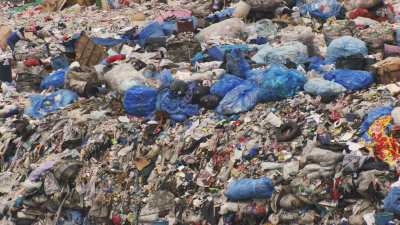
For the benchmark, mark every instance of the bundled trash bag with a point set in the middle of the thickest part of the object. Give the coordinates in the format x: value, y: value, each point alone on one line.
x: 225, y: 84
x: 140, y: 100
x: 373, y: 115
x: 55, y: 80
x: 230, y: 28
x: 59, y: 62
x: 246, y: 189
x: 293, y: 51
x: 240, y: 99
x: 392, y: 201
x: 316, y: 63
x: 153, y: 29
x: 43, y: 104
x: 220, y: 15
x: 322, y: 9
x: 218, y: 52
x: 178, y: 108
x: 324, y: 88
x: 236, y: 63
x: 345, y: 46
x: 278, y: 82
x: 263, y: 28
x: 353, y: 62
x: 351, y: 79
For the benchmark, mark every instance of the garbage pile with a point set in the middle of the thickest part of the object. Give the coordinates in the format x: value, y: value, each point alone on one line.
x: 200, y: 112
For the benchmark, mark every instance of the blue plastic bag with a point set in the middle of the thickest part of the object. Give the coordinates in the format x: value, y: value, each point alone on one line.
x: 169, y: 27
x: 153, y: 29
x: 59, y: 62
x: 220, y: 15
x: 240, y: 99
x: 316, y: 63
x: 373, y: 115
x: 43, y: 104
x: 236, y: 64
x: 140, y: 100
x: 218, y: 52
x: 55, y: 80
x: 292, y: 51
x: 392, y: 201
x: 345, y: 46
x: 278, y: 82
x: 178, y: 108
x: 322, y: 87
x: 351, y: 79
x: 246, y: 189
x: 225, y: 84
x: 321, y: 8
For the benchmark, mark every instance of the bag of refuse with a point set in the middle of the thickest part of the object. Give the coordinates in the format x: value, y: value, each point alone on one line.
x: 365, y: 4
x: 123, y: 76
x: 263, y: 28
x: 337, y: 28
x: 55, y: 80
x: 153, y: 29
x: 140, y: 100
x: 375, y: 36
x: 236, y: 63
x: 302, y: 34
x: 316, y: 63
x: 321, y: 8
x: 353, y: 62
x: 351, y: 79
x: 293, y: 51
x: 230, y: 28
x: 248, y: 188
x: 345, y: 46
x: 391, y: 203
x: 225, y: 84
x: 178, y: 108
x: 40, y: 105
x: 278, y: 82
x: 59, y: 62
x: 324, y: 88
x: 242, y: 98
x: 218, y: 52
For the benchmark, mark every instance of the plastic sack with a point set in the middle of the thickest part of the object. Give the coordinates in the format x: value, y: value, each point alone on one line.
x: 140, y: 100
x: 240, y: 99
x: 245, y: 189
x: 278, y: 82
x: 391, y: 203
x: 59, y: 62
x: 123, y: 76
x: 321, y: 8
x: 263, y: 28
x: 351, y: 79
x: 230, y: 28
x: 294, y: 51
x: 225, y: 84
x: 43, y: 104
x: 236, y: 63
x: 178, y: 108
x: 372, y: 116
x: 345, y: 46
x: 316, y: 63
x: 220, y: 15
x: 218, y: 52
x: 55, y: 80
x: 153, y: 29
x: 322, y: 87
